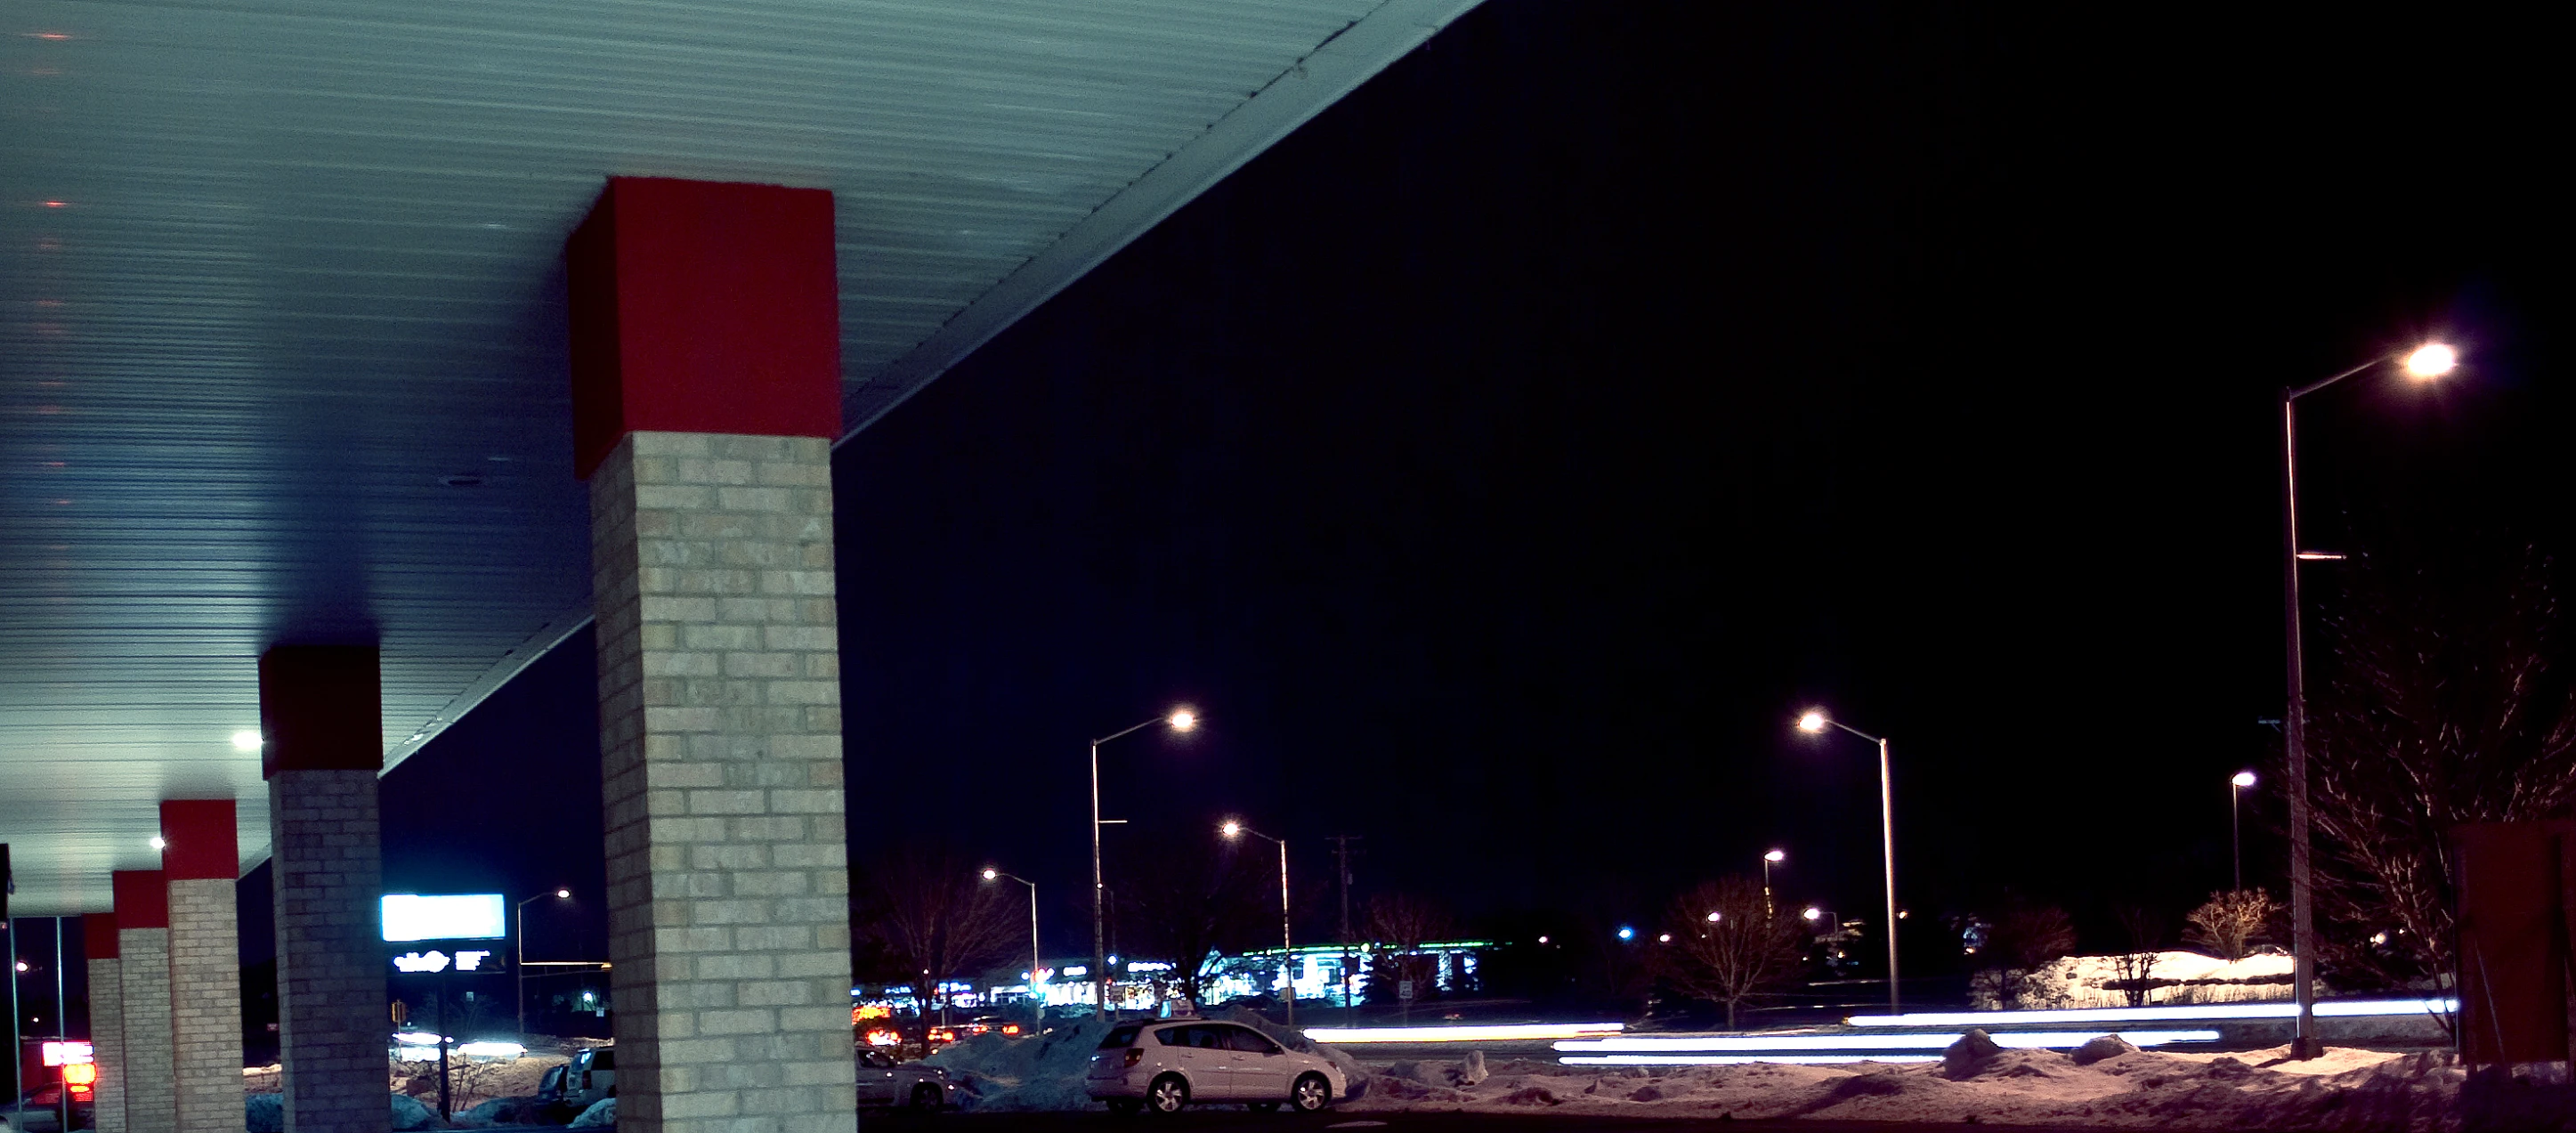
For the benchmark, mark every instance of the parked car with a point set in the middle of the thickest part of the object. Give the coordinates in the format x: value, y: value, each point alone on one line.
x: 911, y: 1085
x: 43, y: 1109
x: 1163, y: 1067
x: 591, y: 1077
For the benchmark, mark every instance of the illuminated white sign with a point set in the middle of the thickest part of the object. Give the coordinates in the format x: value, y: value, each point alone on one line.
x: 72, y: 1053
x: 467, y: 960
x: 463, y: 916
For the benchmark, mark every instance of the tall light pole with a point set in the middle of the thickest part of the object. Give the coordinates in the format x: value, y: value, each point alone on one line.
x: 520, y: 969
x: 2424, y: 363
x: 1768, y: 860
x: 2236, y: 821
x: 1815, y: 721
x: 1287, y: 960
x: 991, y: 874
x: 1181, y: 720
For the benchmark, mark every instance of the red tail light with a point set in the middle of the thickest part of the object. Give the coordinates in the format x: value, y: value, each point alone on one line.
x: 1135, y: 1055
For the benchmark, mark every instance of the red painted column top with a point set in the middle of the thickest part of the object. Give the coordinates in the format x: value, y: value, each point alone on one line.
x: 703, y: 307
x: 98, y: 936
x: 142, y: 898
x: 321, y: 708
x: 199, y: 841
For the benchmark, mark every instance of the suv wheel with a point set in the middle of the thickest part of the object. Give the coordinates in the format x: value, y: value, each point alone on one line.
x: 925, y: 1099
x: 1311, y: 1093
x: 1168, y: 1094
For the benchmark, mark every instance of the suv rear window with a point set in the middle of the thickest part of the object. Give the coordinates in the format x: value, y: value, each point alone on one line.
x: 1121, y: 1037
x: 603, y: 1058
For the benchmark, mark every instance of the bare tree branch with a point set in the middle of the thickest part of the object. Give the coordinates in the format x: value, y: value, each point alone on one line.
x: 1727, y: 947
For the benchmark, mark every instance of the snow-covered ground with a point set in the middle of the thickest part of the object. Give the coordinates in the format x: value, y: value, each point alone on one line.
x: 2109, y: 1084
x: 2256, y: 1090
x: 2083, y: 981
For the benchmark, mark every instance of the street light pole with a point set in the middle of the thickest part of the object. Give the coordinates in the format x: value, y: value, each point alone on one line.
x: 2425, y: 363
x: 2236, y: 821
x: 990, y: 874
x: 1287, y: 959
x: 1181, y: 720
x: 1816, y: 721
x: 519, y: 969
x: 1767, y: 861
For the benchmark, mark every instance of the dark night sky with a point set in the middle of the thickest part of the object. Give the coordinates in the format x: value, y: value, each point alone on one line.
x: 1503, y: 459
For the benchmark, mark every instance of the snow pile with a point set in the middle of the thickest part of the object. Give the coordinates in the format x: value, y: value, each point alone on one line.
x: 264, y: 1113
x: 1983, y: 1084
x: 601, y: 1112
x: 1045, y: 1072
x: 501, y: 1111
x: 2176, y: 977
x: 408, y: 1113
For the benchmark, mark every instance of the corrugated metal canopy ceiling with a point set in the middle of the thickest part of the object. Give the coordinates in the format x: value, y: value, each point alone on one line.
x: 281, y: 352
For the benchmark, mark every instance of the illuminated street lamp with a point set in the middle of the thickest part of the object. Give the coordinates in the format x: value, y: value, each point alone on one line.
x: 1287, y: 962
x: 1773, y: 858
x: 2423, y: 364
x: 2236, y: 821
x: 1814, y: 722
x: 520, y: 911
x: 1181, y: 720
x: 992, y: 874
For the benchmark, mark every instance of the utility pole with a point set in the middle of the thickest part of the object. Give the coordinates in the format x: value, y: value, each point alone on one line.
x: 63, y: 1031
x: 1342, y: 859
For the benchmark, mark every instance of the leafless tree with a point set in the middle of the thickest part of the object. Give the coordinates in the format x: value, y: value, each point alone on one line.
x: 2024, y: 939
x: 2232, y: 922
x: 927, y: 910
x: 1399, y: 924
x: 2136, y: 965
x: 1189, y: 901
x: 2443, y: 706
x: 1727, y: 947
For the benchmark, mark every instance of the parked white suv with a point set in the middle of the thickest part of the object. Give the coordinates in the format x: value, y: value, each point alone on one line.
x: 1161, y: 1067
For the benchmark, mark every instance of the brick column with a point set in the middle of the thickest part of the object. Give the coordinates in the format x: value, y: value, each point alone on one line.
x: 106, y: 1020
x: 201, y: 862
x: 320, y: 710
x: 707, y: 387
x: 143, y: 969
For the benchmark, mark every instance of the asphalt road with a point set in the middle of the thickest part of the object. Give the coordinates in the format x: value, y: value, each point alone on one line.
x: 1232, y: 1120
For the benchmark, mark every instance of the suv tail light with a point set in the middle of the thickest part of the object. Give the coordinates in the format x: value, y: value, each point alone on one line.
x: 1135, y: 1055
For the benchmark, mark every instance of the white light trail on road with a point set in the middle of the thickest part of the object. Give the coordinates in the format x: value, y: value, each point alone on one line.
x: 1735, y: 1059
x: 1348, y: 1035
x: 2013, y: 1040
x: 2195, y: 1011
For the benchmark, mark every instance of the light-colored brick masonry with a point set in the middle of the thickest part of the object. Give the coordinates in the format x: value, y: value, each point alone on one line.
x: 107, y: 1044
x: 205, y: 1005
x: 325, y: 843
x: 151, y: 1103
x: 720, y: 728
